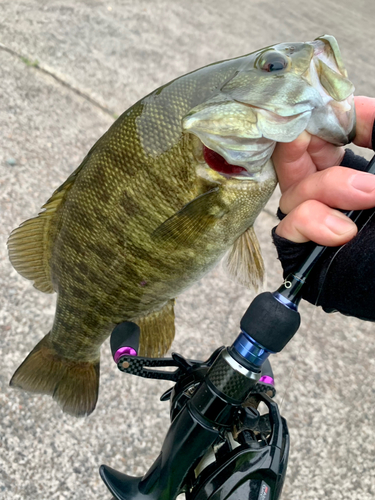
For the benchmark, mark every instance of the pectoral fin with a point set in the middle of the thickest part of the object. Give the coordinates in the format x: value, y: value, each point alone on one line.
x: 193, y: 220
x: 244, y: 260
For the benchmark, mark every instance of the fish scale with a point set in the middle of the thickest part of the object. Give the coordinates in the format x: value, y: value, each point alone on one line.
x: 144, y: 216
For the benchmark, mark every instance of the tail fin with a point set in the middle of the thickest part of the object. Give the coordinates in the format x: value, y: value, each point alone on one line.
x: 74, y: 385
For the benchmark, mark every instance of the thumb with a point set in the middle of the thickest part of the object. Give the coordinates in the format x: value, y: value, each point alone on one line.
x: 365, y: 131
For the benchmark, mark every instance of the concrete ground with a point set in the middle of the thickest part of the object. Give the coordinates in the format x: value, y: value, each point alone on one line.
x: 66, y: 68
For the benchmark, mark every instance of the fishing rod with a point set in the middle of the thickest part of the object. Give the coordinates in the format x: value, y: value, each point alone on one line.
x: 219, y: 446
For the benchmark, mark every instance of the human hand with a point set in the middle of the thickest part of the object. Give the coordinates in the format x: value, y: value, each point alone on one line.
x: 311, y: 184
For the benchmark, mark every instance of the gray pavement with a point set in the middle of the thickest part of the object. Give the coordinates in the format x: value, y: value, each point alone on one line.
x: 104, y: 56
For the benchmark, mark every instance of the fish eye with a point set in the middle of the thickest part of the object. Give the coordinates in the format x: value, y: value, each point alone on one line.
x: 273, y: 61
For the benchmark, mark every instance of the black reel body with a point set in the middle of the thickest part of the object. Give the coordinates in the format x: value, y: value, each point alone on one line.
x: 217, y: 446
x: 248, y: 461
x: 255, y: 467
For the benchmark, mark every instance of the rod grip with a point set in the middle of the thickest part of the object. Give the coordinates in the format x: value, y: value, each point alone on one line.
x: 269, y: 322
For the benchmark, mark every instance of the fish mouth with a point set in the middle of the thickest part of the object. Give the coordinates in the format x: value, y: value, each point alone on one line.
x: 254, y: 110
x: 217, y: 162
x: 243, y: 156
x: 234, y: 158
x: 328, y: 75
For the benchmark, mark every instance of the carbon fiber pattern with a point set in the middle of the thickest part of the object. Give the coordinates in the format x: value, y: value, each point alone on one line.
x: 260, y: 388
x: 136, y: 365
x: 228, y: 381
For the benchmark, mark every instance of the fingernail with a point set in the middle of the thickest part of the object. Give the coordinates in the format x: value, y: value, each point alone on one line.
x: 339, y: 225
x: 363, y: 182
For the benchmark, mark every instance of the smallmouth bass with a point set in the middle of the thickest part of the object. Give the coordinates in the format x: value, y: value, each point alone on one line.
x: 174, y: 184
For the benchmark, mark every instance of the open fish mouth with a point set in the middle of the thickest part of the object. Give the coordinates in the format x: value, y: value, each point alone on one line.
x: 329, y: 77
x: 239, y: 167
x: 278, y: 93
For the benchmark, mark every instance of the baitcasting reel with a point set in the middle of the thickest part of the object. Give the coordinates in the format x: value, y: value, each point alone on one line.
x: 218, y: 446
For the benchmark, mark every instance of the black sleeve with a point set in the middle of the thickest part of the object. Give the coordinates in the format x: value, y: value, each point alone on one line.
x: 344, y: 278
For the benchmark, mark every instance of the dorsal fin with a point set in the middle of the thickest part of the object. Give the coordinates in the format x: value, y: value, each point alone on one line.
x: 30, y: 245
x: 244, y: 260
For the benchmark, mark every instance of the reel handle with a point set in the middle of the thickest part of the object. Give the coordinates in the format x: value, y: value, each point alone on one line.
x: 125, y: 340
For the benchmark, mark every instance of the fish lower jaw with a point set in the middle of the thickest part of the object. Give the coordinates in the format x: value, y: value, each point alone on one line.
x: 246, y: 176
x: 228, y: 163
x: 264, y: 173
x: 254, y: 167
x: 248, y: 172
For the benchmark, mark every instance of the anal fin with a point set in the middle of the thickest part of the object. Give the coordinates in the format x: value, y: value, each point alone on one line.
x: 157, y: 331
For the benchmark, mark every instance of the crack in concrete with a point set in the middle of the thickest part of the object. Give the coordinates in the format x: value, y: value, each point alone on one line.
x: 37, y: 66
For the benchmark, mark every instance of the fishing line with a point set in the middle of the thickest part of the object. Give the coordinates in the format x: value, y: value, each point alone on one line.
x: 301, y: 336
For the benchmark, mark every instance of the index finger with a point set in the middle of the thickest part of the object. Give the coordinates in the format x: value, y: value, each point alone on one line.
x: 304, y: 156
x: 365, y: 113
